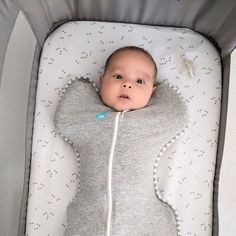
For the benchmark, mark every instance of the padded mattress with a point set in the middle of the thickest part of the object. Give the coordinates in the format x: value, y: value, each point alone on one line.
x: 187, y: 61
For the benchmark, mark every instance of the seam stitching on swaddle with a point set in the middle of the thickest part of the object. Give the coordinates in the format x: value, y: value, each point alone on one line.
x: 63, y: 90
x: 160, y: 154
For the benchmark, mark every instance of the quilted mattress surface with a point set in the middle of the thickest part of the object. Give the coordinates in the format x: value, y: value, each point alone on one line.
x: 185, y: 173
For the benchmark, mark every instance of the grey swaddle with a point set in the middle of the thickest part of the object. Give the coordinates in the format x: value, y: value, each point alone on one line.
x: 117, y: 151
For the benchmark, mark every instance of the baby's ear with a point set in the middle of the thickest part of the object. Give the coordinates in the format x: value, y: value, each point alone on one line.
x: 154, y: 88
x: 101, y: 77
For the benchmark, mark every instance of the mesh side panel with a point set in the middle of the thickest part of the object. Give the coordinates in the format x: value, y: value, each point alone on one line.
x: 14, y: 91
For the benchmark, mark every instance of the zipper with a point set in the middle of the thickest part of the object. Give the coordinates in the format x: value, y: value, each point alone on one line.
x: 110, y: 167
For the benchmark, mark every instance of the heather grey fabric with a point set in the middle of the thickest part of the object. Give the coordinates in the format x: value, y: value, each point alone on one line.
x: 14, y: 92
x: 8, y: 14
x: 38, y: 17
x: 227, y: 203
x: 221, y: 140
x: 28, y: 140
x: 141, y: 135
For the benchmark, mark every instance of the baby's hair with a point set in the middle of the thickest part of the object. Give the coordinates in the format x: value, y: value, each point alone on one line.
x: 132, y: 48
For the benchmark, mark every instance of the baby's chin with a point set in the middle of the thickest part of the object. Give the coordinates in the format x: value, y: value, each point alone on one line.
x: 120, y: 106
x: 125, y: 108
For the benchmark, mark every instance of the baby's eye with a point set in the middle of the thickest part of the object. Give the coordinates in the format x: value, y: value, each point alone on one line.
x: 140, y: 81
x: 118, y: 77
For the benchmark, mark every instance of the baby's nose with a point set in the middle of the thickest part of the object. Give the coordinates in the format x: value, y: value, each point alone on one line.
x: 127, y: 85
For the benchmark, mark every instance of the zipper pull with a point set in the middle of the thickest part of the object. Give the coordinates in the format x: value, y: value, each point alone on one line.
x: 123, y: 112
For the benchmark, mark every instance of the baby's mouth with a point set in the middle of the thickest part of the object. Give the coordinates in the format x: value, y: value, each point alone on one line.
x: 124, y: 96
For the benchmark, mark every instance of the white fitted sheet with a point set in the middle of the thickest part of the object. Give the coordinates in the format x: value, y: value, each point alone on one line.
x: 184, y: 59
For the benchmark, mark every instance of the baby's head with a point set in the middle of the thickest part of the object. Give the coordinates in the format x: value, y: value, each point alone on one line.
x: 129, y: 79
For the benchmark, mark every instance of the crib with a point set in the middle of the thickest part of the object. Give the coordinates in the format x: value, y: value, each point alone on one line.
x: 31, y: 30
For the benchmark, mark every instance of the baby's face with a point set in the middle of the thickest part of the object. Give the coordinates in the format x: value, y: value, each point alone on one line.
x: 128, y: 82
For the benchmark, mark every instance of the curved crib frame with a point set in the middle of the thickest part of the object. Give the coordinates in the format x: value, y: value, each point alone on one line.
x: 24, y: 25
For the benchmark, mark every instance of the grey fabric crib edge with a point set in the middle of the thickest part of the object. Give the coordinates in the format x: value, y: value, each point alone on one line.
x: 29, y: 140
x: 220, y: 149
x: 214, y: 19
x: 17, y: 73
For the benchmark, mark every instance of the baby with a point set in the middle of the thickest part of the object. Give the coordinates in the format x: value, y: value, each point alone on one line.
x: 117, y: 192
x: 129, y: 79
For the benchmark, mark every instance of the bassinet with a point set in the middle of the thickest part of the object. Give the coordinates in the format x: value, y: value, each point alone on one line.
x: 24, y: 27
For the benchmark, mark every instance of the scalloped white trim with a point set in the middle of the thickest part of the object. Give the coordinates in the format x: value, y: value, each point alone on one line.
x: 78, y: 164
x: 63, y: 90
x: 71, y: 81
x: 160, y: 154
x: 176, y: 89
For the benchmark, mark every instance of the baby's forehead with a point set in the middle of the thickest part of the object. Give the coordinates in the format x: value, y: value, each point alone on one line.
x: 124, y: 54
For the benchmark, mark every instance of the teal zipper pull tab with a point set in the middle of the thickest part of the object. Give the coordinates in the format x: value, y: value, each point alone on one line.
x: 101, y: 115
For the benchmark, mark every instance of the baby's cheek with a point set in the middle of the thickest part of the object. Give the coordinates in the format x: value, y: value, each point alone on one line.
x: 148, y: 95
x: 147, y: 99
x: 107, y: 97
x: 104, y: 91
